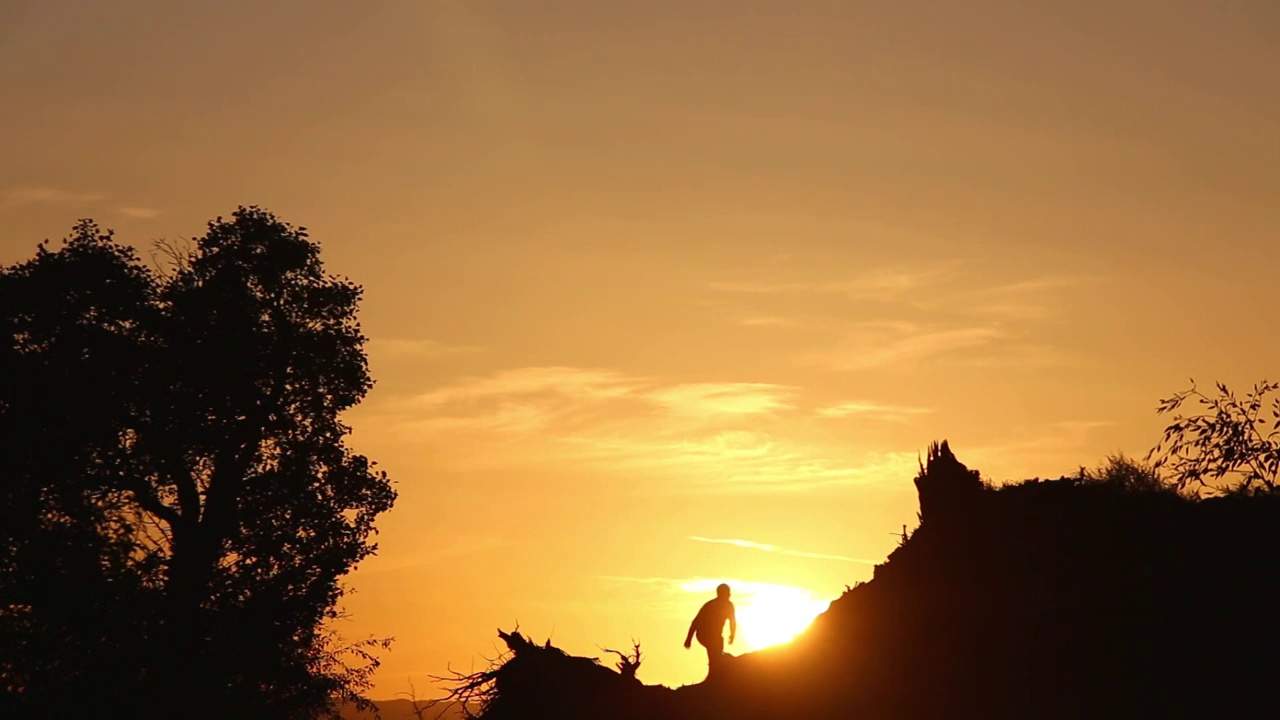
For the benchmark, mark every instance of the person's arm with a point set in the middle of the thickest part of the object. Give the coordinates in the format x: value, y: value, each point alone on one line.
x: 688, y: 639
x: 733, y: 624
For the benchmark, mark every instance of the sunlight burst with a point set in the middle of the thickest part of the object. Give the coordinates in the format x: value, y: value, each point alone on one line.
x: 768, y: 614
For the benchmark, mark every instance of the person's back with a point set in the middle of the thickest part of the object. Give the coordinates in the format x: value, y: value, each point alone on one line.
x: 708, y: 626
x: 711, y: 618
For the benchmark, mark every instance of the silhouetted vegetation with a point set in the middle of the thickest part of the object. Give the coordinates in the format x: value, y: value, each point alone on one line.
x: 546, y: 682
x: 1108, y: 594
x: 177, y: 504
x: 1124, y: 473
x: 1229, y: 445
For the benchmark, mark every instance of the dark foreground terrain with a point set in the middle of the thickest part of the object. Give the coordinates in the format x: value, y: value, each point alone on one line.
x: 1070, y: 598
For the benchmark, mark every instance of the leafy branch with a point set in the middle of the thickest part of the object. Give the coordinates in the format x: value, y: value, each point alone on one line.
x: 1230, y: 444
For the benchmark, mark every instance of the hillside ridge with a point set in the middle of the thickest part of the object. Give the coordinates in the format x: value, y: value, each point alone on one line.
x: 1072, y: 597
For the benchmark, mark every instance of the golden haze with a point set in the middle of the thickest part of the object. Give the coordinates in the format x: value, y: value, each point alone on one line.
x: 666, y: 293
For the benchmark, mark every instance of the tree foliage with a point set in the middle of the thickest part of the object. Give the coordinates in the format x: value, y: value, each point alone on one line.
x: 177, y: 502
x: 1227, y: 444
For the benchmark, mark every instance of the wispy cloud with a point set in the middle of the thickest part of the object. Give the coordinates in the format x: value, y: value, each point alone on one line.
x: 403, y: 349
x: 44, y: 195
x: 915, y: 315
x: 1043, y: 450
x: 1022, y: 300
x: 871, y: 410
x: 759, y: 288
x: 573, y: 382
x: 1077, y: 428
x: 466, y: 545
x: 1022, y: 356
x: 429, y: 553
x: 904, y: 348
x: 139, y: 213
x: 886, y: 282
x: 908, y: 315
x: 767, y: 321
x: 702, y: 399
x: 748, y: 544
x: 519, y: 401
x: 1031, y: 285
x: 1012, y: 311
x: 698, y: 584
x: 880, y: 283
x: 741, y: 588
x: 62, y: 197
x: 677, y: 589
x: 507, y: 418
x: 740, y: 462
x: 550, y: 390
x: 699, y: 438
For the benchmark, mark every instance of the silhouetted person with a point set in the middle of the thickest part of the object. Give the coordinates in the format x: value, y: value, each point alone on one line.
x: 708, y: 625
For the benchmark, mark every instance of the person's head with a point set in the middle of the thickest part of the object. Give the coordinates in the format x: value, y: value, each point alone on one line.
x: 722, y: 591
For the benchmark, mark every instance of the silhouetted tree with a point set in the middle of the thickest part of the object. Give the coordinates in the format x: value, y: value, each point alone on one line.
x: 1237, y: 439
x: 177, y: 503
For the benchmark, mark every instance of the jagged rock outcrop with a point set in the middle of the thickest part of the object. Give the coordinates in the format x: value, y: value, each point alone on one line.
x: 945, y: 486
x: 1049, y: 599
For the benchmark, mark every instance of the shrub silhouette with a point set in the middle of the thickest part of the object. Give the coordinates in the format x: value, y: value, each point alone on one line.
x: 1125, y: 473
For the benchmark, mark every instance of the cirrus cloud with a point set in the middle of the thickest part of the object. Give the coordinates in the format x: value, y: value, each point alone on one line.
x: 765, y: 547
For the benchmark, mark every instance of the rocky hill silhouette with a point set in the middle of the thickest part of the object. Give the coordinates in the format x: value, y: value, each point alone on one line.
x: 1079, y: 597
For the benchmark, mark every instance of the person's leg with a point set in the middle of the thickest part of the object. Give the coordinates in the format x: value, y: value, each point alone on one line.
x: 715, y: 653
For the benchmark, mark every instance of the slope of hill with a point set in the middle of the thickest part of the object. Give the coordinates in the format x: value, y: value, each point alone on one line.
x: 1066, y: 598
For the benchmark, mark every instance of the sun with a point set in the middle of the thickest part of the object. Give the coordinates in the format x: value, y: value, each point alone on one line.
x: 768, y: 614
x: 774, y: 614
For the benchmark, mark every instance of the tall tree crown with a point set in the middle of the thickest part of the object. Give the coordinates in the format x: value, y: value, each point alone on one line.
x: 186, y: 419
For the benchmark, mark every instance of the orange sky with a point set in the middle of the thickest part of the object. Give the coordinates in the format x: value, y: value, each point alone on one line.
x: 643, y: 277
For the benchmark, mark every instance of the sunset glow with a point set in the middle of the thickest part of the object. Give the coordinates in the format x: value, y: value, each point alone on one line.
x: 670, y: 290
x: 768, y: 614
